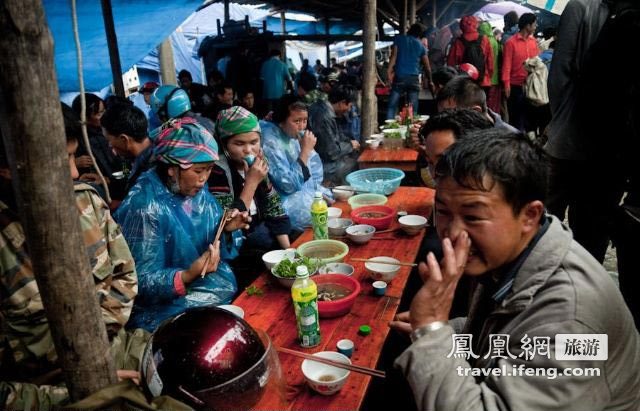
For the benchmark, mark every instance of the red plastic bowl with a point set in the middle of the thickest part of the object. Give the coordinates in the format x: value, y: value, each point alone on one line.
x: 330, y: 309
x: 380, y: 223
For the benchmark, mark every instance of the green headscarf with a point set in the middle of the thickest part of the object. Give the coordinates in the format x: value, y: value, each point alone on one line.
x: 485, y: 29
x: 235, y: 120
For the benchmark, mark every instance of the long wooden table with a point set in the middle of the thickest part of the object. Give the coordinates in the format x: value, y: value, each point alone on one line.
x: 403, y: 158
x: 273, y: 312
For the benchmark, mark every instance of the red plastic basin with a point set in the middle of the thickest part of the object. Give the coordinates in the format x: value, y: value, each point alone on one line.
x: 380, y: 223
x: 330, y: 309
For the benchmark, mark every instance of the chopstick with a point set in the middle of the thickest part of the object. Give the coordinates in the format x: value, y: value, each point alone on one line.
x: 367, y: 260
x: 225, y: 218
x: 351, y: 367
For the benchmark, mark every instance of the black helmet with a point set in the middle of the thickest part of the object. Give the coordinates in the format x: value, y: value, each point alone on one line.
x: 208, y: 358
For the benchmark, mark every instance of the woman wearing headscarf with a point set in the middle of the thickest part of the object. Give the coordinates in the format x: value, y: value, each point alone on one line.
x: 295, y: 168
x: 170, y: 220
x: 469, y: 37
x: 493, y: 89
x: 239, y: 180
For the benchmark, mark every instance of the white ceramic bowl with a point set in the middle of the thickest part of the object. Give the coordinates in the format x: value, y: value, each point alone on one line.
x: 412, y: 224
x: 326, y: 379
x: 238, y: 311
x: 337, y: 268
x: 377, y: 136
x: 337, y: 226
x: 360, y: 233
x: 373, y: 143
x: 334, y: 212
x: 382, y: 272
x: 271, y: 258
x: 342, y: 193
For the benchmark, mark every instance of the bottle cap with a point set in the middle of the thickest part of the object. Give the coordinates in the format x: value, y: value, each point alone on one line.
x: 364, y: 330
x: 302, y: 271
x: 318, y: 194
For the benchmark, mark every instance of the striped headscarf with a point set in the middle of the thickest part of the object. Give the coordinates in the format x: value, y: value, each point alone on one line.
x: 184, y: 142
x: 235, y: 120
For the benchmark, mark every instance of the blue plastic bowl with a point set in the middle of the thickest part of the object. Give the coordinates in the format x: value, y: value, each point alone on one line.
x: 376, y: 180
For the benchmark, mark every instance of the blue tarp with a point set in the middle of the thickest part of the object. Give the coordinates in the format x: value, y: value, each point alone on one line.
x: 141, y: 25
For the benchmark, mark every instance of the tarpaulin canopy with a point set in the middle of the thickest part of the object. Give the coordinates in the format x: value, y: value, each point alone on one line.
x: 554, y: 6
x: 141, y: 25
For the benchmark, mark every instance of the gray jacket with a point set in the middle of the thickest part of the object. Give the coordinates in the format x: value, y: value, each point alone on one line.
x: 578, y: 29
x: 559, y: 289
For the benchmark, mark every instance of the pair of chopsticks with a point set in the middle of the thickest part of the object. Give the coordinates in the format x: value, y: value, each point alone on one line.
x: 225, y: 217
x: 367, y: 260
x: 351, y: 367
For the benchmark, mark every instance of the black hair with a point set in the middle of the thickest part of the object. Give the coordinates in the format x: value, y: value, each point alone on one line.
x: 549, y: 32
x: 243, y: 93
x: 442, y: 75
x: 416, y: 30
x: 506, y: 158
x: 465, y: 92
x: 92, y: 104
x: 525, y: 20
x: 510, y: 19
x: 115, y: 100
x: 215, y: 76
x: 318, y: 61
x: 307, y: 81
x: 125, y: 119
x: 460, y: 121
x: 275, y: 52
x: 342, y: 93
x: 185, y: 73
x: 220, y: 88
x: 285, y: 106
x: 72, y: 129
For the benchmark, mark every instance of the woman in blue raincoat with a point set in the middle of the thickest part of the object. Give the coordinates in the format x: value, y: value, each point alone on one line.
x: 295, y: 167
x: 170, y: 220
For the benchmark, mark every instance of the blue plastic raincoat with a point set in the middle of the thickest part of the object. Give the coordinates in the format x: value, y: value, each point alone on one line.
x: 166, y: 233
x: 296, y: 189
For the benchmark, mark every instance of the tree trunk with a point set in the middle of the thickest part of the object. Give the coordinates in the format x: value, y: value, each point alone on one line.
x: 167, y: 65
x: 369, y: 102
x: 412, y: 11
x: 33, y: 132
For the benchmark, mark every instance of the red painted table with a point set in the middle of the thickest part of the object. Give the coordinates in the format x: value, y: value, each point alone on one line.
x: 403, y: 158
x: 273, y: 313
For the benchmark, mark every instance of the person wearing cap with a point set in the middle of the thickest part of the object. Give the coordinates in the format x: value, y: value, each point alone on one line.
x: 170, y: 221
x: 239, y: 180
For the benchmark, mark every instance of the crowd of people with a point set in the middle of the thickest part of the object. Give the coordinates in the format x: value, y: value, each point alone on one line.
x: 226, y: 158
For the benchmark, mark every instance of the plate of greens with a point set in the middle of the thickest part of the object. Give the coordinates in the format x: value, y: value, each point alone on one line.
x: 285, y: 270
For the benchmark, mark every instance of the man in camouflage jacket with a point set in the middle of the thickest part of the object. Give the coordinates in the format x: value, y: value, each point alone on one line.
x: 27, y: 352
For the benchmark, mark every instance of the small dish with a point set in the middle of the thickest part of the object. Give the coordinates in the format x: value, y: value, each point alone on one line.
x: 360, y: 233
x: 271, y: 258
x: 337, y: 268
x: 342, y: 193
x: 323, y: 378
x: 337, y: 226
x: 334, y: 212
x: 373, y: 143
x: 412, y: 224
x: 382, y: 272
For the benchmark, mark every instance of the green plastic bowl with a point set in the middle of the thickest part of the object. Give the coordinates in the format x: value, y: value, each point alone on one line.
x: 367, y: 199
x: 326, y: 251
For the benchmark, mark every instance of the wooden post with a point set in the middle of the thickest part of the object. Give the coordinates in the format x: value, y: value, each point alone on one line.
x: 112, y: 43
x: 167, y: 65
x: 369, y: 102
x: 434, y: 20
x: 412, y: 11
x: 227, y: 15
x: 327, y: 44
x: 33, y: 133
x: 403, y: 18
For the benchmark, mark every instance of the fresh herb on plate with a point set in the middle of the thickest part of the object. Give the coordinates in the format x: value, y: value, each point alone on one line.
x: 253, y: 290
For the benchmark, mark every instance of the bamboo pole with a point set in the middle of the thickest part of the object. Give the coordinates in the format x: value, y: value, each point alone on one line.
x: 369, y: 102
x: 167, y: 65
x: 33, y: 133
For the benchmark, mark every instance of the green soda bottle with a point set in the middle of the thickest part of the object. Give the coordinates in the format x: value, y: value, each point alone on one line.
x: 304, y: 293
x: 319, y: 217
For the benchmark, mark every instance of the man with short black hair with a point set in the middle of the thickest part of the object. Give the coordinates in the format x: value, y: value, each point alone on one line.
x: 275, y: 77
x: 535, y: 283
x: 125, y: 127
x: 338, y: 152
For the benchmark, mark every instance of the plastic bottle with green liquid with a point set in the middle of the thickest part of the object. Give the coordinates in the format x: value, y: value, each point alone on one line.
x: 319, y: 217
x: 304, y: 293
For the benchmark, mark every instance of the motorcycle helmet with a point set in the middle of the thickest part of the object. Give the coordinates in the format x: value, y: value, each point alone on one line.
x: 209, y: 358
x: 470, y: 70
x: 170, y: 102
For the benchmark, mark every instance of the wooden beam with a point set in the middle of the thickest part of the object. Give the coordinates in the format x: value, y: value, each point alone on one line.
x: 112, y: 44
x: 445, y: 9
x: 412, y: 11
x: 391, y: 8
x: 34, y: 136
x: 167, y: 63
x: 369, y: 110
x: 403, y: 18
x: 226, y: 11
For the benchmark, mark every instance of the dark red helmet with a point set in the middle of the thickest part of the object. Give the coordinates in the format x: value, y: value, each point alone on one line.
x: 208, y: 358
x: 148, y: 87
x: 471, y: 70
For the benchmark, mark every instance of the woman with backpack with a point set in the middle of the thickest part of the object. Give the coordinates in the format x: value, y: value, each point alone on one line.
x: 473, y: 48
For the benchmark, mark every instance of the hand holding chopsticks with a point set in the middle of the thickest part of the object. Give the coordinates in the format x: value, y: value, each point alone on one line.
x: 368, y: 260
x: 351, y: 367
x: 214, y: 247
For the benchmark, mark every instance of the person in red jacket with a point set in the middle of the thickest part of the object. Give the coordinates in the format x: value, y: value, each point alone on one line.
x: 517, y: 49
x: 457, y: 56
